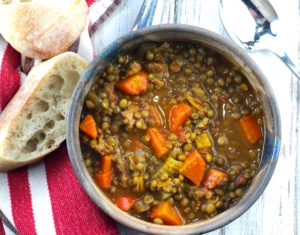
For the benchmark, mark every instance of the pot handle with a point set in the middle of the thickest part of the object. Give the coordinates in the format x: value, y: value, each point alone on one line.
x: 156, y: 12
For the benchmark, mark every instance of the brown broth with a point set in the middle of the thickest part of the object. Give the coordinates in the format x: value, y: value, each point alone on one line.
x: 218, y: 95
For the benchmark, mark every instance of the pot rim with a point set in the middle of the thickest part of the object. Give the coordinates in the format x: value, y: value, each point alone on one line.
x: 271, y: 146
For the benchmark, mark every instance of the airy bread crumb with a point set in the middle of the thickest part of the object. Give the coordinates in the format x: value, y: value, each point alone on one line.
x: 33, y: 123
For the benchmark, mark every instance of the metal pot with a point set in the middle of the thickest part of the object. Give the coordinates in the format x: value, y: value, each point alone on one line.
x: 189, y: 34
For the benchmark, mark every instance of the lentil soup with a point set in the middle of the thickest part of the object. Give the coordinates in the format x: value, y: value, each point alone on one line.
x: 172, y: 132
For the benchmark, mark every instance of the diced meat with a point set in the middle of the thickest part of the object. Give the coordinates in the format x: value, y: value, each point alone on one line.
x: 175, y: 66
x: 158, y: 83
x: 110, y: 91
x: 102, y: 147
x: 157, y: 67
x: 129, y: 115
x: 122, y: 166
x: 134, y: 68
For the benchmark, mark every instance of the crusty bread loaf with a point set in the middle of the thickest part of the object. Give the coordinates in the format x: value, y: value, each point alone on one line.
x: 33, y: 123
x: 41, y: 29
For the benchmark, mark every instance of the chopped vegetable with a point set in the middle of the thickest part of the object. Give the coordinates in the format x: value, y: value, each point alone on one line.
x: 158, y: 142
x: 106, y: 161
x: 104, y: 179
x: 194, y: 103
x: 88, y: 126
x: 251, y: 129
x: 170, y: 166
x: 135, y: 84
x: 124, y: 202
x: 203, y: 141
x: 193, y: 167
x: 178, y: 115
x: 168, y: 214
x: 104, y: 176
x: 214, y: 177
x: 161, y: 184
x: 140, y: 186
x: 154, y: 114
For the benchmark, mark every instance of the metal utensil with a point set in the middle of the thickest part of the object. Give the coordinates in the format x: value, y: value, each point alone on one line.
x: 7, y: 222
x: 255, y: 27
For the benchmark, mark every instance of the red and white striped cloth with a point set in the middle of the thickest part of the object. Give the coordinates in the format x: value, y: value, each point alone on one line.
x: 46, y: 198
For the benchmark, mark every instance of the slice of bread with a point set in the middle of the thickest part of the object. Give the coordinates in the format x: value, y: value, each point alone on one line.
x: 33, y: 123
x: 41, y: 29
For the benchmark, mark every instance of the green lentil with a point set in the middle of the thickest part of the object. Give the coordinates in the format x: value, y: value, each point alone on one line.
x: 221, y: 140
x: 140, y: 166
x: 238, y: 192
x: 93, y: 143
x: 146, y: 139
x: 184, y: 202
x: 210, y: 208
x: 210, y: 73
x: 105, y: 103
x: 145, y: 114
x: 188, y: 147
x: 89, y: 104
x: 140, y: 124
x: 187, y: 71
x: 88, y: 162
x: 121, y: 59
x: 208, y: 157
x: 210, y: 113
x: 111, y: 77
x: 150, y: 56
x: 181, y: 157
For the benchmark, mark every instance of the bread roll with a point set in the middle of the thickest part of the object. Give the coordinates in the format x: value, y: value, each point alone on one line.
x: 41, y: 29
x: 33, y: 124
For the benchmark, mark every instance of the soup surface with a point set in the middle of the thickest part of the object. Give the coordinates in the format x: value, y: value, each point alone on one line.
x: 172, y: 133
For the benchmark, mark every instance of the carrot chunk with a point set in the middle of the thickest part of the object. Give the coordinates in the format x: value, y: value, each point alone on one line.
x: 193, y: 167
x: 157, y: 141
x: 178, y: 115
x: 154, y: 114
x: 106, y: 162
x: 124, y: 202
x: 168, y: 214
x: 88, y: 126
x: 214, y: 177
x: 251, y: 129
x: 104, y: 179
x: 135, y: 84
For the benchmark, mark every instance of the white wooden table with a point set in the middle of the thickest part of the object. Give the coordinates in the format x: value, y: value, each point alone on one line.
x: 278, y: 210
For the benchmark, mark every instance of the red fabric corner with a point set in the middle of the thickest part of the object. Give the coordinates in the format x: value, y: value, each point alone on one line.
x: 9, y: 75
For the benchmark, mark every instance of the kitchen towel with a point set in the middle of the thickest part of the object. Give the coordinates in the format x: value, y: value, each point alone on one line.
x: 46, y: 198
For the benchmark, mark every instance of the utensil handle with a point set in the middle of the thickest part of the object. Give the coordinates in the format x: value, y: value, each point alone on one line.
x: 7, y: 222
x: 146, y: 14
x: 289, y: 63
x: 156, y: 12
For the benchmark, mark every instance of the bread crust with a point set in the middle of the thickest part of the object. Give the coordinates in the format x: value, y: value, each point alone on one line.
x: 33, y: 91
x: 42, y: 29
